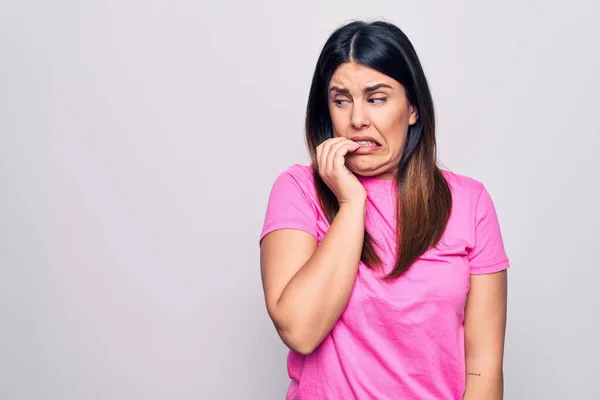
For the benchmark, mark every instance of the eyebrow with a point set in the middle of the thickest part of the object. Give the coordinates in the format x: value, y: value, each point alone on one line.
x: 365, y: 90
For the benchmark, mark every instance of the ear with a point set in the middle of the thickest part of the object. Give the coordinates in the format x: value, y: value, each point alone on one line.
x: 414, y: 115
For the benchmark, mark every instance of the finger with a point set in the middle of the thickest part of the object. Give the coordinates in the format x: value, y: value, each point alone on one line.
x: 326, y: 148
x: 338, y: 151
x: 323, y: 154
x: 331, y: 153
x: 352, y: 145
x: 338, y: 157
x: 318, y: 156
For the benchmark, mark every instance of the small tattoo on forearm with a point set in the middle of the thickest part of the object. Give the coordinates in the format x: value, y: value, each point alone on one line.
x: 474, y: 373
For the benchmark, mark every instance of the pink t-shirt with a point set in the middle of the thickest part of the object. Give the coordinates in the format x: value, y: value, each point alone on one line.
x: 402, y: 339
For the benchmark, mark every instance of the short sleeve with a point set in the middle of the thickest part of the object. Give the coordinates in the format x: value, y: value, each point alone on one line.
x: 487, y: 254
x: 289, y: 205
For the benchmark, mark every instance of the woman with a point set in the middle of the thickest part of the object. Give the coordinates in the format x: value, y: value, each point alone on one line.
x: 383, y: 274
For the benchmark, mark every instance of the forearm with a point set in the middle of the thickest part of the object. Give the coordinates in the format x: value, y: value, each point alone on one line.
x: 485, y: 325
x: 484, y: 381
x: 316, y: 296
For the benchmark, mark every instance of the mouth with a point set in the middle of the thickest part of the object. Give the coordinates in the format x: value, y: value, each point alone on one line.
x: 365, y: 141
x: 368, y: 146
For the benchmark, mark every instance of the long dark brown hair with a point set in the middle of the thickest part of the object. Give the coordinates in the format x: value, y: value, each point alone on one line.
x: 424, y: 199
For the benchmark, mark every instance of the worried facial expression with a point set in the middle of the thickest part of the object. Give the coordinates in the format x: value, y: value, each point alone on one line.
x: 370, y: 108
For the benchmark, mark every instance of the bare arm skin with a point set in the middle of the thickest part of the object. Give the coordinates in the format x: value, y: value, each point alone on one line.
x: 307, y: 286
x: 485, y: 325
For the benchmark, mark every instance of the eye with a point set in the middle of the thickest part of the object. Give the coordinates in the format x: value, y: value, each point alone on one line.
x: 377, y: 100
x: 339, y: 102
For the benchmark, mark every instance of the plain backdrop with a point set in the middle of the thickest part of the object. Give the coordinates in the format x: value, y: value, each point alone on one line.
x: 139, y: 141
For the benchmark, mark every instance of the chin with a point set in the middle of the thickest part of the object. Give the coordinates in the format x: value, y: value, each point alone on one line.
x: 364, y: 169
x: 370, y: 169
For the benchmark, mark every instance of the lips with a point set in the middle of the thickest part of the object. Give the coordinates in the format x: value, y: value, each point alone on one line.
x: 367, y: 146
x: 365, y: 141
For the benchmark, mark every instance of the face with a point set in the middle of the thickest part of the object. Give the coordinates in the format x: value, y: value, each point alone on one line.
x: 371, y: 108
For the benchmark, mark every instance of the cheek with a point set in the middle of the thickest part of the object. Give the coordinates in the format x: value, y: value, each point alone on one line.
x: 393, y: 128
x: 339, y: 120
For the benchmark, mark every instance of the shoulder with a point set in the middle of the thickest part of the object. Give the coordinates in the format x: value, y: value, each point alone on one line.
x: 297, y: 180
x: 463, y: 187
x: 291, y: 203
x: 470, y: 197
x: 299, y: 174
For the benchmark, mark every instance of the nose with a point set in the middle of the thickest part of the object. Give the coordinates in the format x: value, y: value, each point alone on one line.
x: 359, y: 117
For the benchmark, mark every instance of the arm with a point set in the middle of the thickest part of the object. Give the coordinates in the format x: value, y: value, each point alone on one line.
x: 485, y: 324
x: 307, y: 287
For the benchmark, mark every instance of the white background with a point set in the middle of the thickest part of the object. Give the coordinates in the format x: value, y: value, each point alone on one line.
x: 139, y: 141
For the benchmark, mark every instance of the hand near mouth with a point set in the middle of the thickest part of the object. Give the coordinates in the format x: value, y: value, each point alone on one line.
x: 367, y: 144
x: 332, y: 169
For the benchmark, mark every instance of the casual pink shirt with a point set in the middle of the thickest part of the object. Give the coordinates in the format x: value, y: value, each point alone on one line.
x: 402, y: 339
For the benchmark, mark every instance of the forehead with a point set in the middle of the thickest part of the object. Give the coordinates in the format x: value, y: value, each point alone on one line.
x: 356, y: 76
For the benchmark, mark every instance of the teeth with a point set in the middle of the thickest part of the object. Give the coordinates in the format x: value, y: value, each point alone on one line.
x: 366, y: 143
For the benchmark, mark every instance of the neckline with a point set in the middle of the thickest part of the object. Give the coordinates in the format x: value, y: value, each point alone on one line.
x: 373, y: 184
